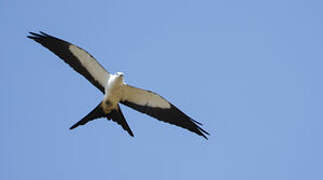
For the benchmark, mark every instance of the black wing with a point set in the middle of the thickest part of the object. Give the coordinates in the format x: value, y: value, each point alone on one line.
x: 80, y: 60
x: 156, y: 106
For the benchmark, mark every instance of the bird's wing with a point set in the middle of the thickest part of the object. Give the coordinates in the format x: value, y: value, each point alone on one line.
x: 156, y: 106
x: 80, y: 60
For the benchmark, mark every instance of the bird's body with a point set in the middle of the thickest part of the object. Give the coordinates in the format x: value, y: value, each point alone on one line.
x: 115, y: 90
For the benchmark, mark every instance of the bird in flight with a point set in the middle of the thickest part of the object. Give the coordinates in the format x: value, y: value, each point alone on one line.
x: 115, y: 90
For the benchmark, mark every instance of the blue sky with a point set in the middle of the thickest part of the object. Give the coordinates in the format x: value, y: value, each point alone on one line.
x: 250, y: 71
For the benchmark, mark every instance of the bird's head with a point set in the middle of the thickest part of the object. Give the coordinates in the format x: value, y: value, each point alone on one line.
x: 120, y: 74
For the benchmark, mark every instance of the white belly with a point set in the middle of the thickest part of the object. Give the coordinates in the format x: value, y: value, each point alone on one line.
x: 113, y: 93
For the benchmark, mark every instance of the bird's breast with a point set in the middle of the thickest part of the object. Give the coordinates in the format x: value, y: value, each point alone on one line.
x: 112, y: 95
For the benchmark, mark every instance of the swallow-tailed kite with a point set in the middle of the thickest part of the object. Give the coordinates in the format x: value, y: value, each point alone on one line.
x: 115, y: 90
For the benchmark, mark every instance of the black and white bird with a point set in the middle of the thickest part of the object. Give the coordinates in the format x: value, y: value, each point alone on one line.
x: 115, y: 90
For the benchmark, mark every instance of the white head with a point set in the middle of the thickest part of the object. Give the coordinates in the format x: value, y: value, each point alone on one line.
x: 119, y: 74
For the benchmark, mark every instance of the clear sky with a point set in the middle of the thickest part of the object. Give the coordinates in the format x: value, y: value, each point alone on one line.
x: 250, y: 71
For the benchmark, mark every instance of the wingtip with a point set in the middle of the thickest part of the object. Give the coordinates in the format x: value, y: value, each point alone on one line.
x: 41, y: 34
x: 204, y: 133
x: 74, y: 126
x: 31, y: 35
x: 197, y: 122
x: 34, y: 36
x: 205, y: 137
x: 44, y: 34
x: 200, y: 131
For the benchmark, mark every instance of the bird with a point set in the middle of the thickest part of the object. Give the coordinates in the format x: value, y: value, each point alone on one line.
x: 115, y: 90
